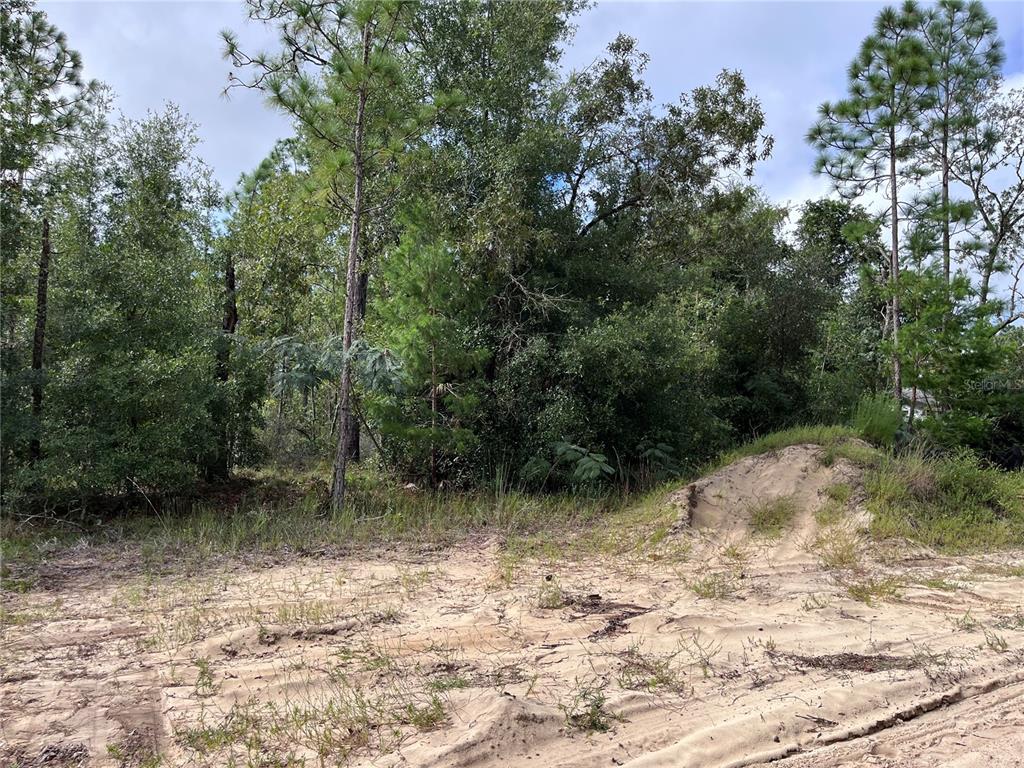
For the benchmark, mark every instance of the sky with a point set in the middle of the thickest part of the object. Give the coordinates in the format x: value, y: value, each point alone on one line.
x: 794, y: 55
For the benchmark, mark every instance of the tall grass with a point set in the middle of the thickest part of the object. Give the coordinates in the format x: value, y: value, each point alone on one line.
x: 377, y: 511
x: 954, y: 503
x: 878, y: 419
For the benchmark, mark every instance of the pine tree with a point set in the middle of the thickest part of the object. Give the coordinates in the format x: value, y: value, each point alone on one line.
x: 341, y: 75
x: 966, y: 54
x: 429, y: 295
x: 42, y: 100
x: 870, y: 139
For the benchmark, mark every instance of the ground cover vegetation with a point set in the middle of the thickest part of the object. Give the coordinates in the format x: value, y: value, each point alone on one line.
x: 531, y: 293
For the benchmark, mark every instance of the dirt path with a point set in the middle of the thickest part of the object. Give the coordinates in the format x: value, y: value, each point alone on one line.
x: 716, y: 647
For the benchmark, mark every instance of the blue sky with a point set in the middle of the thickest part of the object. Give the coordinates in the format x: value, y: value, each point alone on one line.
x: 793, y: 54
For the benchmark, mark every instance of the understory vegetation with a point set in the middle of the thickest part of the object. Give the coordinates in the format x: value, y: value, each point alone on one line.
x: 474, y: 291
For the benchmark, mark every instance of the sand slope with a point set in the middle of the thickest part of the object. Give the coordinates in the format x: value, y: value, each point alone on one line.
x: 746, y: 650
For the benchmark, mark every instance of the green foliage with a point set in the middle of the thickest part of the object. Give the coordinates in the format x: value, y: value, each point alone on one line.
x: 130, y: 373
x: 587, y: 466
x: 954, y: 503
x: 878, y: 419
x: 771, y: 517
x: 527, y: 303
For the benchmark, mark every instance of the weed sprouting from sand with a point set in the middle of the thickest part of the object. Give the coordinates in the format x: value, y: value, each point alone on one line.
x: 586, y: 708
x: 205, y: 685
x: 647, y: 671
x: 964, y: 623
x: 996, y: 642
x: 715, y: 585
x: 868, y: 591
x: 735, y: 553
x: 446, y: 683
x: 328, y: 725
x: 423, y: 716
x: 937, y: 582
x: 829, y: 513
x: 505, y: 569
x: 702, y: 650
x: 841, y: 493
x: 837, y: 549
x: 549, y: 594
x: 771, y: 517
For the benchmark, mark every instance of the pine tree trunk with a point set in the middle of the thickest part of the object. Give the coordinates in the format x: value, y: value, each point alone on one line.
x: 345, y: 416
x: 946, y: 259
x: 894, y: 268
x: 362, y: 284
x: 433, y: 415
x: 38, y: 343
x: 221, y: 468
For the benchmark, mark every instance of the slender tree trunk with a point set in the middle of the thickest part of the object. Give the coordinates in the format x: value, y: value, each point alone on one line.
x: 221, y: 468
x: 433, y: 415
x: 345, y: 420
x: 38, y: 343
x: 362, y: 284
x: 986, y: 271
x: 946, y: 259
x: 894, y: 268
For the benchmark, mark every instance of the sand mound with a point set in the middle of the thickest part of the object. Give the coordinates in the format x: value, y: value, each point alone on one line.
x: 753, y: 648
x: 723, y: 503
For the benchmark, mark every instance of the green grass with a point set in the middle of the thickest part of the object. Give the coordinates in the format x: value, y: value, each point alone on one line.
x: 878, y: 418
x: 952, y: 503
x: 869, y: 591
x: 377, y: 512
x: 770, y: 518
x: 824, y: 436
x: 839, y: 493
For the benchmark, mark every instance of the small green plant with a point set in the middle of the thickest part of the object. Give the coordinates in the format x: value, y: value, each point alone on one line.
x: 837, y: 549
x: 829, y: 513
x: 549, y: 594
x: 423, y: 717
x: 841, y: 493
x: 771, y: 517
x: 936, y: 582
x: 649, y: 672
x: 735, y: 553
x: 448, y: 683
x: 965, y: 623
x: 996, y: 642
x: 588, y: 466
x: 701, y: 650
x: 716, y: 585
x: 878, y: 418
x: 205, y: 685
x: 587, y: 708
x: 875, y: 589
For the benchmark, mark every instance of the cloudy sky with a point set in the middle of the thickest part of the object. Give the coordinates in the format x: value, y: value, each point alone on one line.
x: 794, y: 55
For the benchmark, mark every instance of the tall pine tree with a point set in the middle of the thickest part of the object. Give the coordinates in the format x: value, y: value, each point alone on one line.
x: 966, y: 54
x: 871, y: 139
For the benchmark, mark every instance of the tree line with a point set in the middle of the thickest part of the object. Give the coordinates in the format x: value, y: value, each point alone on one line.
x: 468, y: 266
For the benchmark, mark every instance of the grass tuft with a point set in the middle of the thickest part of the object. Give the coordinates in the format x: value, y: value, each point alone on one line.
x: 770, y: 518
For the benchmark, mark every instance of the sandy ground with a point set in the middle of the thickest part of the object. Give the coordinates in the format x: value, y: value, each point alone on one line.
x: 714, y: 646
